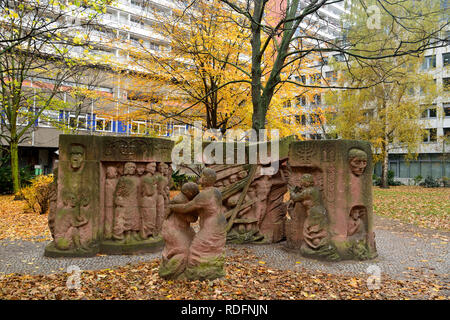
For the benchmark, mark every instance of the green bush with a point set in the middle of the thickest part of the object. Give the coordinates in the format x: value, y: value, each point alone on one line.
x: 6, y: 185
x: 390, y: 180
x: 417, y: 180
x: 430, y: 183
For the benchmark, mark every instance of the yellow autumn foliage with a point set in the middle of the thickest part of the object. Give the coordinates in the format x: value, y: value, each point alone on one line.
x: 37, y: 194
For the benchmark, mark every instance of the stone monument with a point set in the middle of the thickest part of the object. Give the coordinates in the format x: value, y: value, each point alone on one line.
x: 330, y: 207
x: 107, y: 197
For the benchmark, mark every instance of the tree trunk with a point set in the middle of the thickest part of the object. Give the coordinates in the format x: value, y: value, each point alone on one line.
x: 385, y: 167
x: 14, y: 149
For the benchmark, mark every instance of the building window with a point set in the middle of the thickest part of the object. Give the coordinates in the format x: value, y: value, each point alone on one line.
x: 446, y: 84
x: 429, y: 62
x: 446, y: 59
x: 431, y: 135
x: 102, y: 124
x: 447, y: 132
x: 48, y: 118
x: 138, y: 127
x: 446, y: 109
x: 339, y: 57
x: 77, y: 122
x: 301, y: 100
x: 430, y: 112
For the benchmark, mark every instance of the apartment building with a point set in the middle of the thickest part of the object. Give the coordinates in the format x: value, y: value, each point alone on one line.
x: 434, y: 153
x: 124, y: 23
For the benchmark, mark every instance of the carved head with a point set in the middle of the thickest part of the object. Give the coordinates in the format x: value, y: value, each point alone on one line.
x: 140, y: 170
x: 358, y: 212
x: 357, y: 161
x: 233, y: 178
x: 306, y: 181
x: 163, y: 168
x: 242, y: 174
x: 150, y: 168
x: 111, y: 172
x: 190, y: 190
x: 129, y: 168
x: 208, y: 177
x: 76, y: 156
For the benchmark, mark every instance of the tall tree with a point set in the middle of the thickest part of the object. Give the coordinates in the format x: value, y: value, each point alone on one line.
x: 292, y: 28
x: 36, y: 59
x: 387, y: 113
x: 201, y: 71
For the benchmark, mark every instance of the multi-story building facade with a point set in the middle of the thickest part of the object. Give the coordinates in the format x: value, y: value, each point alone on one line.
x: 127, y: 22
x: 132, y: 21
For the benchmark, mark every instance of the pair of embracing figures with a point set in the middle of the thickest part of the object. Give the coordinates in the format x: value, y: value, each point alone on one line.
x: 190, y: 255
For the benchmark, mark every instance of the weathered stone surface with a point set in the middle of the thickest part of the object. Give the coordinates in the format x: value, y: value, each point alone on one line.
x: 330, y: 207
x: 110, y: 197
x: 197, y: 256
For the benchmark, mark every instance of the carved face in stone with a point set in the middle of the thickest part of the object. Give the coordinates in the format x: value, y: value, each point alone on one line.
x: 111, y: 172
x: 129, y: 168
x: 190, y: 190
x: 358, y: 212
x: 208, y: 177
x: 357, y: 161
x: 242, y: 174
x: 76, y: 157
x: 233, y: 178
x: 150, y: 168
x: 140, y: 171
x: 306, y: 181
x: 163, y: 168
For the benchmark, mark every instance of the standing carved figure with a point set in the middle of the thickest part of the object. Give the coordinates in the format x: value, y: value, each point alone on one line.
x: 126, y: 223
x: 110, y: 188
x: 148, y: 207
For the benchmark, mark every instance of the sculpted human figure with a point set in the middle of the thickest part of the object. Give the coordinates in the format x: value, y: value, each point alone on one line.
x: 358, y: 161
x: 178, y: 234
x: 148, y: 207
x: 72, y: 230
x: 355, y: 225
x: 315, y: 232
x: 110, y: 188
x: 126, y: 223
x: 76, y: 157
x: 162, y: 200
x: 206, y: 256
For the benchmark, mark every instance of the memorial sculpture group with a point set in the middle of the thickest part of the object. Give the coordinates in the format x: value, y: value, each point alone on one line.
x: 111, y: 196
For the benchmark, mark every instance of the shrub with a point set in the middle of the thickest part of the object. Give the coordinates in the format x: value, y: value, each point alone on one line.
x: 417, y: 180
x: 6, y: 185
x: 430, y: 183
x: 37, y: 195
x: 390, y: 180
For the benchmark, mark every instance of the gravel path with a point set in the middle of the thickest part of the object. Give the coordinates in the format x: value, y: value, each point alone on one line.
x: 400, y: 252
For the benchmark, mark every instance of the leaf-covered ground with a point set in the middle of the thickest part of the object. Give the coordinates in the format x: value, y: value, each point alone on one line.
x: 18, y: 223
x: 247, y: 278
x: 424, y: 207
